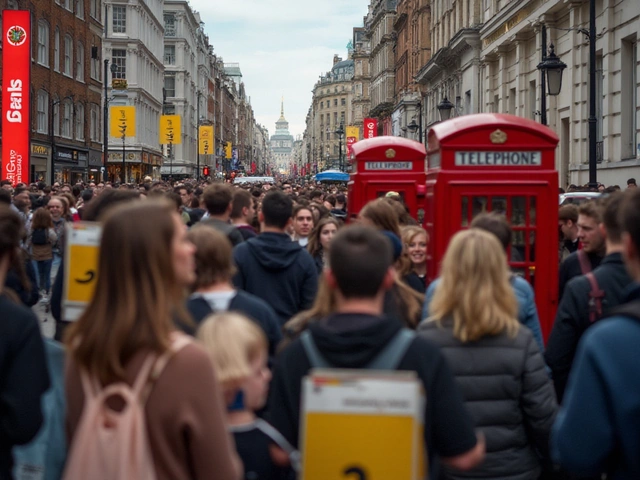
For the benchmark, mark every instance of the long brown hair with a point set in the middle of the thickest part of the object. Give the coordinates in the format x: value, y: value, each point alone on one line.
x: 41, y: 219
x: 136, y: 292
x: 11, y: 233
x: 314, y: 246
x: 382, y: 215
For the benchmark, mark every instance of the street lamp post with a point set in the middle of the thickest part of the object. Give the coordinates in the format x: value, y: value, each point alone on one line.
x: 123, y: 130
x: 105, y: 123
x: 593, y: 183
x: 551, y: 69
x: 340, y: 133
x: 413, y: 126
x: 445, y: 107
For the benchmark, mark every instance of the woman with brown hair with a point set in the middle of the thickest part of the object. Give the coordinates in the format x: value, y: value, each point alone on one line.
x: 41, y: 238
x: 415, y: 241
x: 498, y: 366
x: 320, y: 239
x: 129, y: 323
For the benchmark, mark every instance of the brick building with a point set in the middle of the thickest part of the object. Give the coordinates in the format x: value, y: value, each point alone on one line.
x: 66, y: 85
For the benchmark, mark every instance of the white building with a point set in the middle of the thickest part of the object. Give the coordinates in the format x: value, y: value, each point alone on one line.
x: 182, y: 85
x: 133, y: 43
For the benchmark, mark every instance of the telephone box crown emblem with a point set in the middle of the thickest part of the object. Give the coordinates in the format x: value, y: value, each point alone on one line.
x: 390, y: 153
x: 498, y: 137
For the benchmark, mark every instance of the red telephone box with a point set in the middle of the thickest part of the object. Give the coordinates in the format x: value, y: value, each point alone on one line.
x: 385, y: 164
x: 496, y: 162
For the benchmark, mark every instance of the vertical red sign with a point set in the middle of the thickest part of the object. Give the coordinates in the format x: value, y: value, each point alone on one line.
x: 350, y: 142
x: 370, y: 127
x: 16, y: 81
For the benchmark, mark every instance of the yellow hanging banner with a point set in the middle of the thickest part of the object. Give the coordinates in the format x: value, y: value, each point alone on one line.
x: 170, y: 130
x: 206, y: 140
x: 227, y: 150
x: 122, y: 121
x: 353, y: 132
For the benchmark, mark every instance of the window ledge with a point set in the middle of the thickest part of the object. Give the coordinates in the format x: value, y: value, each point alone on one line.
x: 68, y: 75
x: 43, y: 65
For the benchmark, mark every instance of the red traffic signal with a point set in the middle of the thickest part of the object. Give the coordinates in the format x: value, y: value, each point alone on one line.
x: 205, y: 171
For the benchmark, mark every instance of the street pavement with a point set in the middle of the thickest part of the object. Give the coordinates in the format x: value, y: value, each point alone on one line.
x: 47, y: 322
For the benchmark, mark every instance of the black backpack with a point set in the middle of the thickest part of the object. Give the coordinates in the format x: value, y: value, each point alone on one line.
x: 39, y: 236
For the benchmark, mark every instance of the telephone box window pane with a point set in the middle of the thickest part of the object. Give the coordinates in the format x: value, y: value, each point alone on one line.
x: 499, y: 205
x: 478, y: 206
x: 518, y: 211
x: 464, y: 214
x: 532, y: 210
x: 518, y: 247
x: 532, y: 246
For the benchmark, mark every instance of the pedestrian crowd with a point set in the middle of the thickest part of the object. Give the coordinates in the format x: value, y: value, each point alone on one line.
x: 213, y: 302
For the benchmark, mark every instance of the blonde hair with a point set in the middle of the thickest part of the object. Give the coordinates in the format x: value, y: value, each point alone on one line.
x: 409, y: 232
x: 474, y: 288
x: 233, y: 343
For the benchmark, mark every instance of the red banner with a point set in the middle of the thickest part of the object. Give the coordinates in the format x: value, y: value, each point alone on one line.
x: 16, y: 81
x: 253, y: 167
x: 370, y: 127
x: 350, y: 142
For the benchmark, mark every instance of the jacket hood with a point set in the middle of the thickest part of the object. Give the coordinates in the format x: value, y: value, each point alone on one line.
x: 352, y: 340
x: 274, y: 251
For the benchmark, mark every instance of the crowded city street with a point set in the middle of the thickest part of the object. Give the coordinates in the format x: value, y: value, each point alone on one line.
x: 421, y: 264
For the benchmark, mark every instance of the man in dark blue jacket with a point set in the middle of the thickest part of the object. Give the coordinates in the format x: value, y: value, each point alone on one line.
x: 273, y: 267
x: 598, y: 427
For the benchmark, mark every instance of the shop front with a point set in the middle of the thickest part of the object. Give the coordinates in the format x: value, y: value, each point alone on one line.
x: 137, y: 165
x: 39, y: 161
x: 70, y: 164
x: 95, y: 165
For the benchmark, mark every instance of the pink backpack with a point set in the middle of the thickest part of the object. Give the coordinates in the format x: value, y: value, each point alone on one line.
x: 110, y: 444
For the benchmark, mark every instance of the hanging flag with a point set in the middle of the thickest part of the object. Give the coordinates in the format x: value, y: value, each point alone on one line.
x: 206, y: 139
x: 170, y: 130
x: 16, y: 101
x: 227, y: 151
x: 122, y: 121
x: 370, y: 127
x: 353, y: 132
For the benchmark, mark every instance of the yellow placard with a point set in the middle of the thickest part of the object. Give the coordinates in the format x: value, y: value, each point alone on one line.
x: 122, y: 121
x: 170, y: 129
x: 353, y: 132
x: 81, y: 267
x: 227, y: 150
x: 370, y: 428
x: 206, y: 140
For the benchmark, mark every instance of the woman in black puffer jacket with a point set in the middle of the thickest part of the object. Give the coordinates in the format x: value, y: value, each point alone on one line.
x: 496, y: 362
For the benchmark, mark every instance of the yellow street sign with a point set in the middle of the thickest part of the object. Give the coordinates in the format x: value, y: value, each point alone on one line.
x: 122, y: 120
x: 170, y: 130
x: 362, y: 426
x: 81, y: 267
x: 227, y: 150
x: 206, y: 140
x: 353, y: 132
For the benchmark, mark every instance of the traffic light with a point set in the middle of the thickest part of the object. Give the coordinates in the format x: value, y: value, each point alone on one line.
x: 205, y: 171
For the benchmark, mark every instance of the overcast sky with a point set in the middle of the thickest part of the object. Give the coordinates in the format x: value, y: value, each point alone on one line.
x: 282, y: 47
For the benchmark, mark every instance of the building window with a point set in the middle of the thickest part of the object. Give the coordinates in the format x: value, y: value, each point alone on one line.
x: 80, y: 8
x: 321, y: 120
x: 80, y: 63
x: 56, y: 117
x: 68, y: 55
x: 43, y: 112
x: 56, y: 50
x: 96, y: 9
x: 335, y: 102
x: 119, y: 59
x: 95, y: 69
x: 43, y: 43
x: 629, y: 98
x: 67, y: 4
x: 67, y: 117
x: 119, y: 19
x: 170, y: 85
x: 343, y: 101
x: 169, y: 54
x: 80, y: 121
x: 95, y: 131
x: 170, y: 29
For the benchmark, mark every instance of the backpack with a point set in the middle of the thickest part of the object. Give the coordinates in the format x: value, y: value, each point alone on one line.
x: 110, y: 444
x: 388, y: 359
x: 595, y: 294
x: 39, y: 236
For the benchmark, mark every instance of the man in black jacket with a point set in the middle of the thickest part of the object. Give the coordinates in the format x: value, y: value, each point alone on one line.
x: 361, y: 272
x: 218, y: 198
x: 273, y: 267
x: 592, y: 240
x: 581, y: 305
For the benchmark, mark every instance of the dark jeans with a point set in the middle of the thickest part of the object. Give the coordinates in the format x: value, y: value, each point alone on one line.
x: 43, y: 267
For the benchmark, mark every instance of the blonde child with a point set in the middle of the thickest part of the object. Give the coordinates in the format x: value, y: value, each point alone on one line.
x: 239, y: 351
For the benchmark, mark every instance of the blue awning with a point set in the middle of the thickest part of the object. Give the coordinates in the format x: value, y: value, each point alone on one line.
x: 332, y: 176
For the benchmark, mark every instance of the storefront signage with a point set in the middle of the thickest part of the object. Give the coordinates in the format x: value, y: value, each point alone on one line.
x: 66, y: 155
x: 206, y: 140
x: 170, y: 130
x: 498, y: 159
x: 388, y: 165
x: 370, y: 127
x: 510, y: 24
x: 39, y: 150
x: 16, y: 81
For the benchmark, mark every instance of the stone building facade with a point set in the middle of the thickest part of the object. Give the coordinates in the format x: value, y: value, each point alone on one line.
x: 361, y: 100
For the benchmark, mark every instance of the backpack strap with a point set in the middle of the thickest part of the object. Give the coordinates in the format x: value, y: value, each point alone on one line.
x: 280, y: 441
x: 388, y: 359
x: 585, y: 264
x: 595, y: 298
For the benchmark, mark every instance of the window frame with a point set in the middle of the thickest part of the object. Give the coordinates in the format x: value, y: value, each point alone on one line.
x: 120, y: 61
x: 43, y: 43
x: 119, y: 19
x: 164, y: 56
x: 42, y: 112
x: 56, y: 50
x: 80, y: 62
x: 67, y: 119
x: 79, y: 121
x: 68, y: 56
